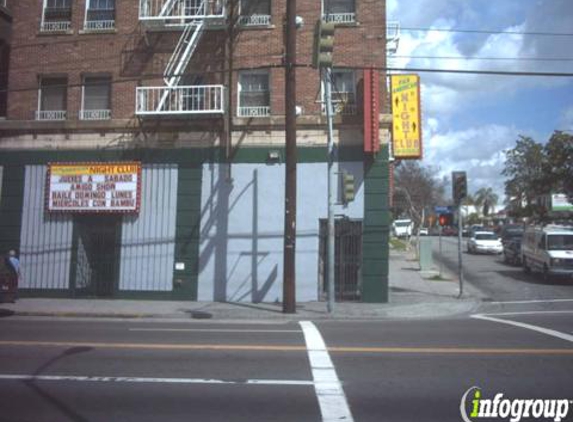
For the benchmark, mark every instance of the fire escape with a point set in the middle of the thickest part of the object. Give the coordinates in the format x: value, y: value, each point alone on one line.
x: 192, y: 17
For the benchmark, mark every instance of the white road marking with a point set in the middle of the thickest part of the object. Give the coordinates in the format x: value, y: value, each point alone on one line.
x: 213, y: 330
x: 528, y: 313
x: 18, y: 377
x: 331, y: 397
x: 547, y: 331
x: 520, y: 302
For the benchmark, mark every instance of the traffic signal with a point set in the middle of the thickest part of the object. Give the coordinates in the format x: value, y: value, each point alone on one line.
x: 446, y: 220
x: 323, y: 44
x: 459, y: 186
x: 347, y: 187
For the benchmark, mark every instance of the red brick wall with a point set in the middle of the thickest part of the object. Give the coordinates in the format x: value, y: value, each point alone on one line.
x: 77, y: 54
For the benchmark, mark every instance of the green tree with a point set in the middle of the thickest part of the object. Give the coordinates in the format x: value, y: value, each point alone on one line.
x: 524, y: 172
x: 416, y: 188
x: 558, y: 164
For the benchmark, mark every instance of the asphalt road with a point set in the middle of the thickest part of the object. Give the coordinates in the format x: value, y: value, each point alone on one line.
x: 98, y: 370
x: 496, y: 280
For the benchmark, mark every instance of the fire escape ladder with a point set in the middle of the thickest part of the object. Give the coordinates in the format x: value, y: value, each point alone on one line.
x: 183, y: 53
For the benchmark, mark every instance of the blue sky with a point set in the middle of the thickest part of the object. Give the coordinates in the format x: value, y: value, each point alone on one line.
x: 469, y: 120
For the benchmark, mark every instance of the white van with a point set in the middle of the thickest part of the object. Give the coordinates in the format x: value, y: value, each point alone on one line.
x: 403, y: 227
x: 548, y: 250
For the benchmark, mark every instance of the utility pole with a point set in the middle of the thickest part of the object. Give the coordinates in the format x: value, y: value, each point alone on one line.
x: 289, y: 277
x: 327, y: 81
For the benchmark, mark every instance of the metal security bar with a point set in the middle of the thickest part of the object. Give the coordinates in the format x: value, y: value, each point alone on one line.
x: 200, y: 99
x: 340, y: 17
x: 255, y: 20
x: 51, y: 115
x: 263, y: 111
x: 95, y: 114
x: 56, y: 16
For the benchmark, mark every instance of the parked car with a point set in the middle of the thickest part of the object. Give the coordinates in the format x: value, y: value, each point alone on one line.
x: 476, y: 228
x: 512, y: 250
x: 548, y: 250
x: 424, y: 231
x: 449, y: 231
x: 484, y: 242
x: 510, y: 231
x: 402, y: 227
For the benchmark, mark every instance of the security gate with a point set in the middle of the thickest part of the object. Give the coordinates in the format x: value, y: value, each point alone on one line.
x: 95, y: 262
x: 347, y: 258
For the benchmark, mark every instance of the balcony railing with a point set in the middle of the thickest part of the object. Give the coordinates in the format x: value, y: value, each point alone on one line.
x: 255, y: 20
x: 51, y: 115
x: 95, y: 114
x: 340, y: 17
x: 59, y: 26
x: 168, y: 10
x: 262, y: 111
x: 180, y: 100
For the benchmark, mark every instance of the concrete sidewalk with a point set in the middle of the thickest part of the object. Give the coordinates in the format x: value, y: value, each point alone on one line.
x: 413, y: 295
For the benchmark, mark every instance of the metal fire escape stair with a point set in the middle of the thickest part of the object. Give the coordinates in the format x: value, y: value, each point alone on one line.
x: 191, y: 16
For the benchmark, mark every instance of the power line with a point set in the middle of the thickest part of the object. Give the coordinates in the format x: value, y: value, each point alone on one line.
x: 485, y: 31
x: 533, y: 59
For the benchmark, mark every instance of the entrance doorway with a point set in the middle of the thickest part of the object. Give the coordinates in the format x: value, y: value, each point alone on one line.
x: 96, y: 255
x: 347, y: 258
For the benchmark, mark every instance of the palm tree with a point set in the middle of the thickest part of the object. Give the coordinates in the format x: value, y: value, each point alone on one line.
x: 485, y: 198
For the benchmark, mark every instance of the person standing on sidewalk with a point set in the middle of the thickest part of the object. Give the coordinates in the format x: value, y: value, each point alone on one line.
x: 13, y: 263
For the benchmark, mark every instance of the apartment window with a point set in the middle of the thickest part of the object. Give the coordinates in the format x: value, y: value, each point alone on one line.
x: 96, y: 98
x: 255, y: 13
x: 340, y: 11
x: 254, y: 94
x: 100, y: 15
x: 56, y: 15
x: 343, y: 92
x: 52, y: 101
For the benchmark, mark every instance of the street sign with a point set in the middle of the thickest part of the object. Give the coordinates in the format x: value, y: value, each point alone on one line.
x: 406, y: 126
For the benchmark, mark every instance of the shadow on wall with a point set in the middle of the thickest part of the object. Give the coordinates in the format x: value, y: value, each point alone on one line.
x: 217, y: 209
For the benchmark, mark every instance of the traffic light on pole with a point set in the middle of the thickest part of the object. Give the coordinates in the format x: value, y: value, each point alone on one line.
x: 323, y: 44
x: 348, y: 192
x: 459, y: 186
x: 446, y: 219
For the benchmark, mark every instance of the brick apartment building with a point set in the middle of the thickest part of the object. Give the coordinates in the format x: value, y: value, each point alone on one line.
x: 184, y: 99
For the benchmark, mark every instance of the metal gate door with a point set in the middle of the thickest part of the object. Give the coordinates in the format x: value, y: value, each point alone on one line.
x: 96, y: 247
x: 347, y: 258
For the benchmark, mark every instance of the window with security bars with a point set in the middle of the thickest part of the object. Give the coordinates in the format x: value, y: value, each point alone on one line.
x: 255, y: 12
x: 343, y: 92
x: 254, y: 94
x: 96, y: 98
x: 340, y: 11
x: 56, y: 15
x: 52, y: 103
x: 100, y: 15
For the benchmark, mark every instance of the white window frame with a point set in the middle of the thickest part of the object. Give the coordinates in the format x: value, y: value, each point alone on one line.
x: 55, y: 26
x: 94, y: 114
x: 99, y: 25
x: 259, y: 111
x: 339, y: 18
x: 340, y: 106
x: 51, y: 114
x: 255, y: 19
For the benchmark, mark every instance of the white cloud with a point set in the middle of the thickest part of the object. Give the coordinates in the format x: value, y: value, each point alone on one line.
x: 478, y: 150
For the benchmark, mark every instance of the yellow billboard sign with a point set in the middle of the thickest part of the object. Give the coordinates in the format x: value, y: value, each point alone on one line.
x: 406, y: 121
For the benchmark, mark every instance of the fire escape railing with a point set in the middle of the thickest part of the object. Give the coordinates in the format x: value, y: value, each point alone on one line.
x: 191, y: 16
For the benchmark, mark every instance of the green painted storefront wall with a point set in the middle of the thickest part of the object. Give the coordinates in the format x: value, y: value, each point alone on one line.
x: 190, y: 161
x: 376, y: 228
x: 11, y: 204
